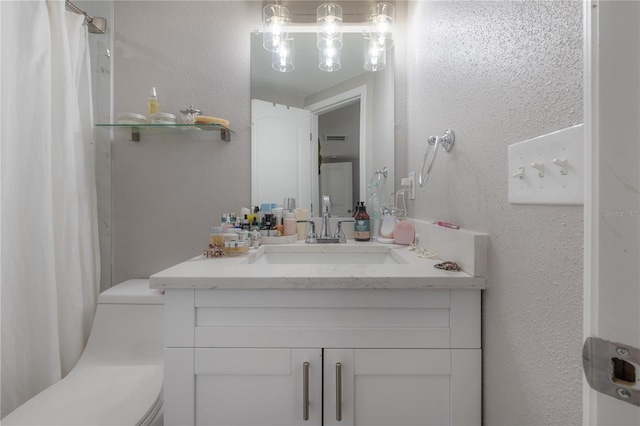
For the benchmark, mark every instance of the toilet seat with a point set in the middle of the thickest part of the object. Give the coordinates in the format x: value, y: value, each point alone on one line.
x: 119, y: 377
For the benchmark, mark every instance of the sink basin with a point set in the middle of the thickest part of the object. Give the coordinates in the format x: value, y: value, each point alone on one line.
x: 325, y: 255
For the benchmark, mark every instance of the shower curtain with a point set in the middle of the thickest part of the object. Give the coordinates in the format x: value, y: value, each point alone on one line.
x: 49, y: 239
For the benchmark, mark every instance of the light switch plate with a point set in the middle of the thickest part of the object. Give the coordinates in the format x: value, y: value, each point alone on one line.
x: 536, y: 171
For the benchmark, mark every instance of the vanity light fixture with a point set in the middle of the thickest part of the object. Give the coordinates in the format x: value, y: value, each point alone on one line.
x: 381, y: 19
x: 275, y: 26
x: 329, y: 58
x: 378, y: 37
x: 329, y: 19
x: 375, y: 55
x: 283, y: 57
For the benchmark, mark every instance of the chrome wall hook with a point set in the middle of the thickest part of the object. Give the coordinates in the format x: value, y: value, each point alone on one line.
x: 377, y: 176
x: 446, y: 142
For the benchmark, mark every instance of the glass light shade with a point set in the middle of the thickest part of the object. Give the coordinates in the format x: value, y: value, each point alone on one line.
x: 381, y: 19
x: 275, y: 26
x: 282, y: 59
x: 375, y: 55
x: 329, y: 18
x: 329, y: 58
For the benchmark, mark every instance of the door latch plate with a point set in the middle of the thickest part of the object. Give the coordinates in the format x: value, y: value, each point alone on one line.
x: 612, y: 368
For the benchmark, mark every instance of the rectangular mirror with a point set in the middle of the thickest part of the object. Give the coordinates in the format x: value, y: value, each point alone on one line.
x: 316, y: 132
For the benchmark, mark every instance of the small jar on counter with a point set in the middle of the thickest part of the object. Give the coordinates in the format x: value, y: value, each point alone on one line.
x: 216, y: 235
x: 290, y: 223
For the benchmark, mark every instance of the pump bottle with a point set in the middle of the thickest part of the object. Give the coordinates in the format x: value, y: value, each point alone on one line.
x: 362, y: 227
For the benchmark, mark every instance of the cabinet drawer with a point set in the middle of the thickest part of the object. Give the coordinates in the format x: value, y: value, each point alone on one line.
x: 330, y: 319
x: 428, y: 319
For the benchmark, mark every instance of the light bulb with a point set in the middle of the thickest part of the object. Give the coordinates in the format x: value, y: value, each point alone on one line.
x: 282, y: 59
x: 275, y: 23
x: 375, y: 55
x: 329, y: 20
x: 381, y: 18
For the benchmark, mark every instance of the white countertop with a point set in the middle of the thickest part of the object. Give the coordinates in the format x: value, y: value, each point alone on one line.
x: 235, y: 272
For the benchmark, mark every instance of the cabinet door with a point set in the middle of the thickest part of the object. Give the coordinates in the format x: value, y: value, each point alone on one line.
x: 258, y: 387
x: 401, y: 387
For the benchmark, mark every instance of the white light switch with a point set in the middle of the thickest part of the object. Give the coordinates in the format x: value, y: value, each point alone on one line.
x: 548, y: 169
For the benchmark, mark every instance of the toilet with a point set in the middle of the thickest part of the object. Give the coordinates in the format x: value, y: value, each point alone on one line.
x: 118, y: 378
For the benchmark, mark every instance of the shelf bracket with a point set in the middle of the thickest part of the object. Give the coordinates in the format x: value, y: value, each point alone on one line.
x: 135, y: 134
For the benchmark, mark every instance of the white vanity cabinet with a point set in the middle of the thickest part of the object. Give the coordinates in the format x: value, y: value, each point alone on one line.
x: 358, y: 356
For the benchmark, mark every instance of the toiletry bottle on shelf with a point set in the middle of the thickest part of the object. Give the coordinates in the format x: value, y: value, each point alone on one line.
x: 362, y: 226
x: 266, y: 222
x: 388, y: 224
x: 357, y: 208
x: 245, y: 225
x: 290, y: 223
x: 154, y: 105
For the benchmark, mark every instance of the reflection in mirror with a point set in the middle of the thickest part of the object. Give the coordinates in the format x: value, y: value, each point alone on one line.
x: 316, y: 132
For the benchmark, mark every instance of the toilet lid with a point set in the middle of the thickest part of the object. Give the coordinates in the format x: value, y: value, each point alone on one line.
x: 95, y: 395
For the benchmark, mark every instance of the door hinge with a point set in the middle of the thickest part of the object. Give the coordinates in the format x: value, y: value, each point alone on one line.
x: 612, y: 368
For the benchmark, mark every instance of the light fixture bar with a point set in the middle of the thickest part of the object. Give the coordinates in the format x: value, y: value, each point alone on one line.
x: 378, y: 35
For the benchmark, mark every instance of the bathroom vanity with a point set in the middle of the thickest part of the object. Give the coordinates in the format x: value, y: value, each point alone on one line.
x: 340, y: 334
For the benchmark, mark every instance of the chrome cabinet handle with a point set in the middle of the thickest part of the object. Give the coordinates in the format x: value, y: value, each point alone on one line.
x: 305, y: 391
x: 338, y: 391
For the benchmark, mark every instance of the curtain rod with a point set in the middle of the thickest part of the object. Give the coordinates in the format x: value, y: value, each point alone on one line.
x: 96, y: 25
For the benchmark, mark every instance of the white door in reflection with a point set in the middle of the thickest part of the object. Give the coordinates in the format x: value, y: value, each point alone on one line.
x: 336, y: 182
x: 280, y: 153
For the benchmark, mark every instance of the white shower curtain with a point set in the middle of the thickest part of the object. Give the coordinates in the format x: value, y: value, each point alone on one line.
x: 49, y: 251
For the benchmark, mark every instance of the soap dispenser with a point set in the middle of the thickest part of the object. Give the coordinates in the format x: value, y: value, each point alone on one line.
x: 362, y: 226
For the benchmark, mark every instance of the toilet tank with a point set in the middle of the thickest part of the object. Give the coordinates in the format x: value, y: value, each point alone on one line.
x: 128, y: 327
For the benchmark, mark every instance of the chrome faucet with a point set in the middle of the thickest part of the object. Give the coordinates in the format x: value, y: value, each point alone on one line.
x: 339, y: 235
x: 311, y: 235
x: 325, y: 231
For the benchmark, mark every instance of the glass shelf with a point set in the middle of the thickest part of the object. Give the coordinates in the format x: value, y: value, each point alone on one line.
x: 148, y: 128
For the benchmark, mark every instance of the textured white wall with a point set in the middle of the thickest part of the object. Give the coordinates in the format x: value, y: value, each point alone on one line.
x: 168, y: 190
x: 499, y: 73
x: 495, y: 72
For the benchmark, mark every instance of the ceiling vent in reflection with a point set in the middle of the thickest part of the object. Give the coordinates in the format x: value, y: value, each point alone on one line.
x: 336, y: 138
